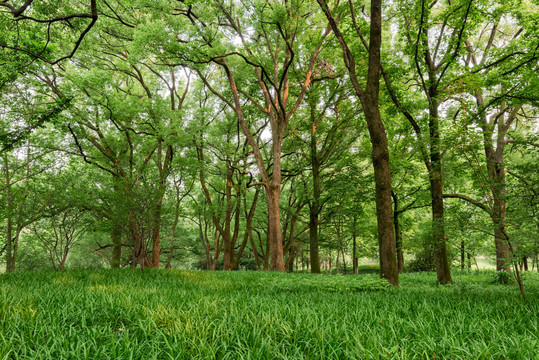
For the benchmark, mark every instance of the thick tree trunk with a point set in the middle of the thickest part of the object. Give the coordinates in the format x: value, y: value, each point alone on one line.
x: 380, y: 154
x: 227, y: 255
x: 380, y: 151
x: 139, y: 256
x: 443, y: 271
x: 313, y: 242
x: 382, y: 177
x: 156, y: 234
x: 156, y: 250
x: 274, y: 228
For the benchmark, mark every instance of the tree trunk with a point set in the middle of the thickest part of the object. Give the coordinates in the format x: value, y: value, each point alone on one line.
x: 380, y: 153
x: 139, y: 257
x: 497, y: 126
x: 315, y: 207
x: 462, y: 253
x: 398, y: 234
x: 10, y: 259
x: 443, y: 271
x: 274, y: 226
x: 497, y: 174
x: 354, y: 247
x: 382, y: 177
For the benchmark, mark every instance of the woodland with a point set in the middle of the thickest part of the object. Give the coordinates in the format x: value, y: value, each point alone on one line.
x: 397, y: 140
x: 286, y: 136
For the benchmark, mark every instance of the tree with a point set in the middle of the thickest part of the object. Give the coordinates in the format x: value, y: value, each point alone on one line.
x: 369, y: 98
x: 277, y: 57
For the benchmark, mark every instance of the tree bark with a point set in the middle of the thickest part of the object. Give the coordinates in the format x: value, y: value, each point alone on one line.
x: 380, y: 153
x: 462, y: 255
x: 398, y: 234
x: 443, y: 271
x: 354, y: 249
x: 314, y: 206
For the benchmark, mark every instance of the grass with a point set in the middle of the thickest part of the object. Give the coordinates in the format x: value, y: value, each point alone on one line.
x: 126, y: 314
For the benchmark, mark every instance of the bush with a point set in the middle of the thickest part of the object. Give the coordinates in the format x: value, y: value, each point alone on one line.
x: 501, y: 277
x: 424, y: 261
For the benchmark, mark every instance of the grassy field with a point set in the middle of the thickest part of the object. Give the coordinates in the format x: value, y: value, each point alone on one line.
x: 205, y: 315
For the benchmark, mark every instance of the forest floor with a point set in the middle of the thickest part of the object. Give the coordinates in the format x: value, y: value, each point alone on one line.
x: 168, y: 314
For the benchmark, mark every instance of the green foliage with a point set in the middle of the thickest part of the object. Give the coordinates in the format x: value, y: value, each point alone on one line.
x: 501, y: 277
x: 202, y: 315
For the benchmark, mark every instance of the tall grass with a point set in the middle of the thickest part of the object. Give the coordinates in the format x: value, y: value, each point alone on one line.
x: 205, y: 315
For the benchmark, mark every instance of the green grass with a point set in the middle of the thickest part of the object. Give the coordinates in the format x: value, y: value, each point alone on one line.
x: 205, y: 315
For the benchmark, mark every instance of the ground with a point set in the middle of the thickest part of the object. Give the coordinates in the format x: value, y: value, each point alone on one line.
x: 164, y: 314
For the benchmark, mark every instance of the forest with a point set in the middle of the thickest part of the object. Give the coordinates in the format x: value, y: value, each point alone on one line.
x: 393, y: 140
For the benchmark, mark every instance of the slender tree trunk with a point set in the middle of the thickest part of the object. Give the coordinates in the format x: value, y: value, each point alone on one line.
x: 398, y: 233
x: 330, y: 264
x: 337, y: 262
x: 497, y: 174
x: 354, y: 249
x: 497, y: 126
x: 255, y: 253
x: 216, y: 250
x: 315, y: 204
x: 462, y: 253
x: 228, y: 249
x: 10, y: 259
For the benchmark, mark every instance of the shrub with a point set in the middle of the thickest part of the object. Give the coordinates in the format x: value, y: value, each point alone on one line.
x: 501, y: 277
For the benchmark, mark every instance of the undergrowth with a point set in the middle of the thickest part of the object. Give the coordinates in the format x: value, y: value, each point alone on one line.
x: 168, y: 314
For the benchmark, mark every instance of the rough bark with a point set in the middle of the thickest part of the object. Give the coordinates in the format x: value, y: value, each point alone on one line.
x: 380, y: 154
x: 497, y: 125
x: 443, y: 270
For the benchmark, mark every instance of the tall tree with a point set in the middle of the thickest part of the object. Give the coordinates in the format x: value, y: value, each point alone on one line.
x: 369, y: 98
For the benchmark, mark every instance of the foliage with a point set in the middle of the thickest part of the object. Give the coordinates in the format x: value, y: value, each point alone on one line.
x: 501, y: 277
x: 199, y: 315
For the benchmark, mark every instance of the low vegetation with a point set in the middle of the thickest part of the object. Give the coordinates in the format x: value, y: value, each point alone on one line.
x: 156, y: 314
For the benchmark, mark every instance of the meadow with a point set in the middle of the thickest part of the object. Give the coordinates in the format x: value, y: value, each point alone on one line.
x: 169, y: 314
